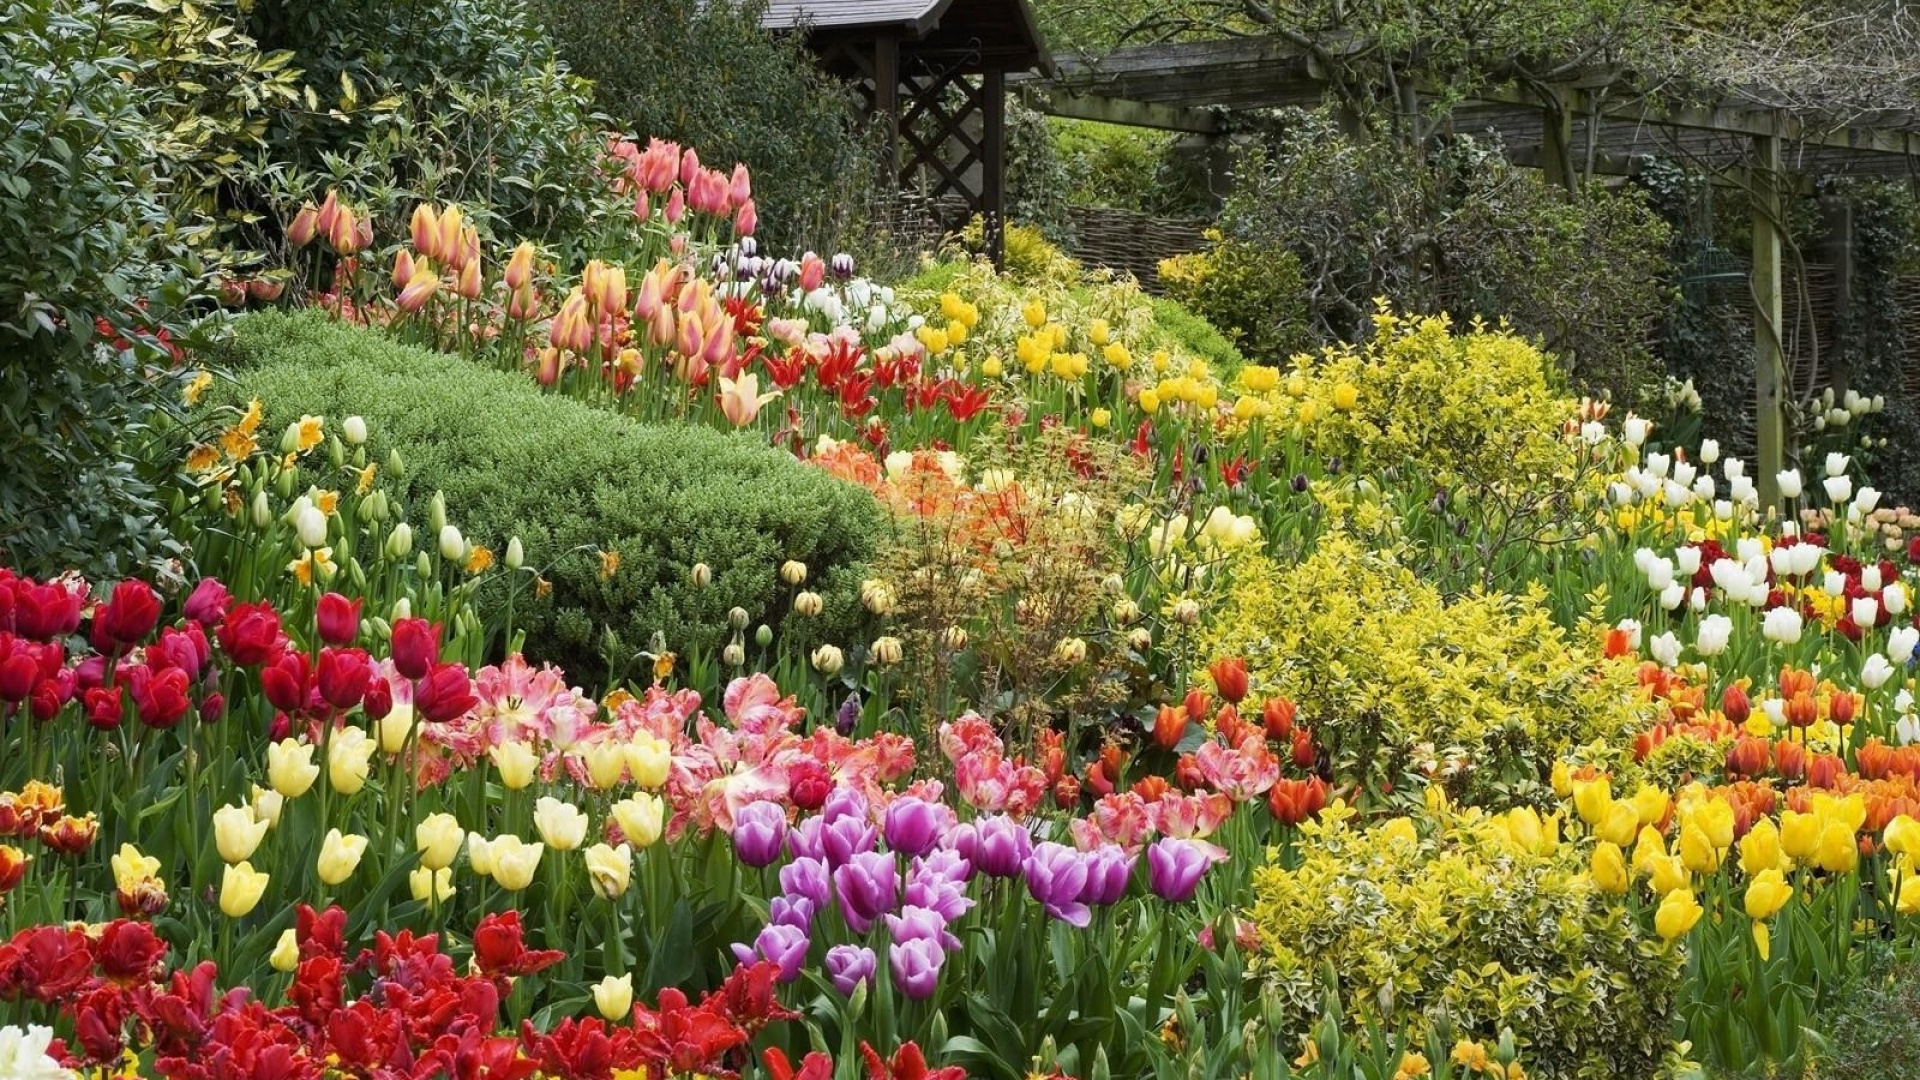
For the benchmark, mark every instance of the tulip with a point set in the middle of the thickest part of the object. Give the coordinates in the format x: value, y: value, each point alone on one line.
x: 290, y: 768
x: 237, y: 832
x: 850, y: 965
x: 641, y: 818
x: 606, y: 764
x: 1767, y: 893
x: 430, y: 886
x: 740, y: 398
x: 241, y: 888
x: 1109, y: 872
x: 13, y: 867
x: 759, y: 832
x: 339, y: 856
x: 337, y: 617
x: 1170, y: 726
x: 301, y: 232
x: 914, y: 825
x: 1056, y: 875
x: 916, y: 967
x: 562, y: 825
x: 1677, y: 914
x: 416, y: 647
x: 343, y: 676
x: 1230, y: 678
x: 866, y: 887
x: 1609, y: 869
x: 610, y: 869
x: 649, y: 760
x: 393, y: 722
x: 285, y: 957
x: 445, y: 694
x: 516, y: 762
x: 613, y: 997
x: 438, y: 838
x: 513, y: 861
x: 1902, y: 836
x: 130, y: 614
x: 349, y: 759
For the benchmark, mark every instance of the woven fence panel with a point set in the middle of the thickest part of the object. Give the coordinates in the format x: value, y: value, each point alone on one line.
x: 1130, y: 242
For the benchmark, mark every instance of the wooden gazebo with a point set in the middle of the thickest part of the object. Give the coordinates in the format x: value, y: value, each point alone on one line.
x: 934, y: 75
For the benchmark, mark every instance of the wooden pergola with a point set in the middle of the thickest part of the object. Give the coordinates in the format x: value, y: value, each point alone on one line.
x: 934, y: 77
x: 1594, y: 123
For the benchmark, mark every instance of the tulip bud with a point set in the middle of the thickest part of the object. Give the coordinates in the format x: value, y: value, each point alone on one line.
x: 355, y: 429
x: 453, y: 547
x: 734, y: 655
x: 516, y: 556
x: 702, y: 575
x: 763, y: 637
x: 311, y: 526
x: 395, y: 465
x: 886, y: 651
x: 400, y: 541
x: 613, y: 996
x: 737, y: 618
x: 793, y: 572
x: 336, y: 452
x: 437, y: 511
x: 808, y: 604
x: 423, y: 565
x: 285, y: 957
x: 828, y: 660
x: 1187, y: 612
x: 402, y: 609
x: 283, y: 483
x: 262, y: 511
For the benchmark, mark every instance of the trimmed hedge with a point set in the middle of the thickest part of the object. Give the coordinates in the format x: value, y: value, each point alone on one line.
x: 565, y: 476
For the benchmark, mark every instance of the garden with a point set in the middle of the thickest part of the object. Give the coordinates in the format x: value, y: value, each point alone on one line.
x: 512, y: 569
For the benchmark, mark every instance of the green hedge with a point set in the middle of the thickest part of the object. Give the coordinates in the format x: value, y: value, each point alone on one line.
x: 562, y: 475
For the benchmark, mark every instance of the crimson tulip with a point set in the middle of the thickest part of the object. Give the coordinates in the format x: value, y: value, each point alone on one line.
x: 338, y: 619
x: 250, y: 634
x: 343, y: 676
x: 416, y: 647
x: 129, y: 615
x: 285, y: 681
x: 444, y: 694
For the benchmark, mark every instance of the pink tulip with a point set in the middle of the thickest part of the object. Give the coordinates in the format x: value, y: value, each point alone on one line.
x: 524, y: 304
x: 520, y: 267
x: 329, y: 210
x: 301, y: 232
x: 718, y: 346
x: 676, y: 205
x: 746, y: 219
x: 549, y: 368
x: 403, y: 268
x: 813, y: 272
x: 642, y: 209
x: 689, y: 166
x: 741, y: 188
x: 741, y: 400
x: 425, y: 228
x: 417, y: 292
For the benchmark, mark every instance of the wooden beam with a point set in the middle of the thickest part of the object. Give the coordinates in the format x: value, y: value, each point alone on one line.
x: 1556, y: 143
x: 886, y: 104
x: 993, y: 162
x: 1141, y: 114
x: 1769, y: 355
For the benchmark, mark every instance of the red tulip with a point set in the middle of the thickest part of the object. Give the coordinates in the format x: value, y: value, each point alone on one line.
x: 1277, y: 715
x: 103, y: 707
x: 416, y: 647
x: 208, y: 603
x: 50, y: 695
x: 130, y: 614
x: 1230, y: 678
x: 342, y: 676
x: 1736, y: 705
x: 285, y: 681
x: 159, y: 697
x: 499, y: 948
x: 45, y: 612
x: 378, y: 701
x: 339, y: 619
x: 1303, y: 753
x: 19, y: 671
x: 445, y: 694
x: 250, y: 634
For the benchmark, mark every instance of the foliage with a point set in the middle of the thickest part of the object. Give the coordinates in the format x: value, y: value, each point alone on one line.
x: 707, y: 75
x: 463, y: 101
x: 1037, y: 181
x: 1479, y: 694
x: 572, y: 481
x: 1254, y: 294
x: 101, y: 282
x: 1130, y: 168
x: 1872, y: 347
x: 1474, y: 923
x: 1875, y: 1030
x: 1458, y: 229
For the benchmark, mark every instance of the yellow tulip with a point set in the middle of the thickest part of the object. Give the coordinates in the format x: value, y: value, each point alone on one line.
x: 1799, y: 834
x: 641, y: 818
x: 650, y: 760
x: 1592, y: 799
x: 395, y: 727
x: 514, y: 861
x: 1149, y: 401
x: 1714, y: 817
x: 1762, y: 939
x: 1697, y: 851
x: 479, y: 855
x: 1760, y: 849
x: 1117, y: 356
x: 1100, y: 418
x: 1619, y: 825
x: 237, y: 833
x: 130, y: 868
x: 1523, y: 827
x: 285, y: 957
x: 515, y: 762
x: 1401, y: 829
x: 613, y: 995
x: 1034, y: 314
x: 267, y: 804
x: 1562, y: 777
x: 430, y: 885
x: 1903, y: 835
x: 606, y: 763
x: 349, y: 757
x: 241, y: 888
x: 1767, y: 893
x: 1099, y: 332
x: 438, y: 838
x: 1609, y: 869
x: 1837, y: 851
x: 1345, y: 396
x: 562, y: 825
x: 1667, y: 874
x: 339, y: 856
x: 1909, y: 901
x: 1650, y: 804
x: 610, y: 869
x: 1677, y: 914
x: 1258, y: 379
x: 290, y: 768
x: 1647, y: 848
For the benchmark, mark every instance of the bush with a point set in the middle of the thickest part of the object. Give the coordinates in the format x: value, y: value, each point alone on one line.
x: 707, y: 75
x: 1481, y: 694
x: 1468, y: 923
x: 569, y: 480
x: 1254, y: 294
x: 1875, y: 1030
x: 98, y: 278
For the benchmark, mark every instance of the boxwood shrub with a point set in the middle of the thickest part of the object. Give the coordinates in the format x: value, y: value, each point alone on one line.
x: 570, y: 480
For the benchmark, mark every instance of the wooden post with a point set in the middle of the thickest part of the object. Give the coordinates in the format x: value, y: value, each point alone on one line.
x: 993, y: 163
x: 1556, y: 144
x: 1770, y: 367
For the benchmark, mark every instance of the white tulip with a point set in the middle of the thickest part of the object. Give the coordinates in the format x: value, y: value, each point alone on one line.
x: 1835, y: 583
x: 1839, y: 489
x: 1665, y: 649
x: 1782, y: 625
x: 1632, y: 627
x: 1709, y: 451
x: 452, y: 545
x: 1901, y: 642
x: 1865, y: 611
x: 1870, y: 577
x: 1734, y: 469
x: 1673, y: 596
x: 1684, y: 472
x: 1714, y: 634
x: 1657, y: 464
x: 1806, y: 559
x: 1866, y: 499
x: 1635, y: 430
x: 1687, y: 560
x: 1875, y: 672
x: 1659, y: 574
x: 1894, y: 599
x: 311, y: 525
x: 1789, y: 480
x: 1837, y: 464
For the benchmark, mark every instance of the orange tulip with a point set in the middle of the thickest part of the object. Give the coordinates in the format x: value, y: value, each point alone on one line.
x: 13, y: 867
x: 1277, y: 714
x: 741, y: 400
x: 301, y: 232
x: 425, y: 227
x: 1230, y: 678
x: 1170, y: 725
x: 520, y: 267
x: 1294, y: 801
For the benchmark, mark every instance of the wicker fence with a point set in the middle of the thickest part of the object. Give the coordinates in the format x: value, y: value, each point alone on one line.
x: 1124, y: 240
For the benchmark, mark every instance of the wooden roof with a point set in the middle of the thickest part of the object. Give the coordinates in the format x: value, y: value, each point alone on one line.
x: 1002, y: 33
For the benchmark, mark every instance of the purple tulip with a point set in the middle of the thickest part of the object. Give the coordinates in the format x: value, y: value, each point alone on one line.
x: 1174, y: 868
x: 915, y: 922
x: 916, y: 966
x: 808, y: 878
x: 848, y: 717
x: 914, y: 825
x: 866, y: 886
x: 1056, y: 875
x: 782, y: 944
x: 791, y: 911
x: 1002, y: 847
x: 849, y: 966
x: 845, y: 837
x: 1109, y: 872
x: 844, y: 802
x: 759, y: 830
x: 807, y: 840
x: 939, y: 882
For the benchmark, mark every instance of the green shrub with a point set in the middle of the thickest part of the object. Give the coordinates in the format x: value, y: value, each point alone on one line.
x: 1468, y: 923
x: 1253, y: 293
x: 1875, y: 1030
x: 570, y: 480
x: 90, y: 241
